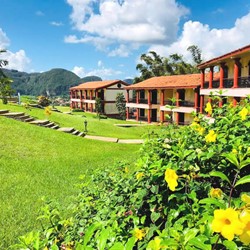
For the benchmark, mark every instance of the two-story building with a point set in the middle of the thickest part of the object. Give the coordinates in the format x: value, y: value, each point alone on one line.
x: 84, y: 96
x: 154, y: 99
x: 233, y: 82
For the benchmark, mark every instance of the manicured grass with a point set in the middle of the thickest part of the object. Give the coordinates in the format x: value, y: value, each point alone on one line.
x: 37, y: 162
x: 103, y: 127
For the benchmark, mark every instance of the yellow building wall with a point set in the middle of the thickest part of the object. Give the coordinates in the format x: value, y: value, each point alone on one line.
x: 189, y: 95
x: 188, y: 118
x: 168, y: 93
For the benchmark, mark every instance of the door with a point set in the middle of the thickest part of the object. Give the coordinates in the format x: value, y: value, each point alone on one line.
x: 181, y: 118
x: 154, y: 115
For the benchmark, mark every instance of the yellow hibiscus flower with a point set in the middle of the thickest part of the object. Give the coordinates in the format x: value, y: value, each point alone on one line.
x: 243, y: 113
x: 211, y: 136
x: 245, y: 219
x: 208, y: 108
x: 139, y: 233
x: 245, y: 198
x: 139, y: 175
x: 227, y: 223
x: 216, y: 193
x: 171, y: 178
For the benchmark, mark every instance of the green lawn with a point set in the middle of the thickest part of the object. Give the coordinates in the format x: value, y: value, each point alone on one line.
x: 37, y: 162
x: 103, y: 127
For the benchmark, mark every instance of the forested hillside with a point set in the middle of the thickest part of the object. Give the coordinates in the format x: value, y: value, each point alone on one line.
x: 56, y: 82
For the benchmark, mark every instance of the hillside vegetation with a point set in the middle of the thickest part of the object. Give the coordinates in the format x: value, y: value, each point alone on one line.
x: 36, y: 162
x: 55, y: 82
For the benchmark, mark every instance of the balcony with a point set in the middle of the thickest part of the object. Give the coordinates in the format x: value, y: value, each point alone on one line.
x: 186, y: 104
x: 143, y: 101
x: 132, y: 100
x: 244, y: 82
x: 228, y: 83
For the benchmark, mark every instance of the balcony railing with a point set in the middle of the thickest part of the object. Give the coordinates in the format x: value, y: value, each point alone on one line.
x: 169, y: 103
x: 186, y: 104
x: 244, y: 82
x: 228, y: 83
x: 132, y: 100
x: 216, y: 84
x: 144, y: 101
x: 206, y: 85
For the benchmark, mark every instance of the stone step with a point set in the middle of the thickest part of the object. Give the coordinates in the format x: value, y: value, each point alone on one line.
x: 101, y: 138
x: 13, y: 114
x: 23, y: 117
x: 4, y: 111
x: 49, y: 125
x: 55, y: 127
x: 29, y: 119
x: 76, y: 132
x: 81, y: 134
x: 40, y: 122
x: 66, y: 130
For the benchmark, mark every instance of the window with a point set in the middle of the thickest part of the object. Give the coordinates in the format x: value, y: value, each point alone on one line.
x: 119, y: 85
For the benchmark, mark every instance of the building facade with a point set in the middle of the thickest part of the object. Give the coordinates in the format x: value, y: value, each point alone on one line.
x: 84, y: 96
x: 231, y: 83
x: 159, y: 98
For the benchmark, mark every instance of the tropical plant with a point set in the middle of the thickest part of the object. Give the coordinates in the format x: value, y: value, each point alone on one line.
x: 188, y: 190
x: 98, y: 107
x: 121, y: 105
x: 153, y: 64
x: 5, y: 82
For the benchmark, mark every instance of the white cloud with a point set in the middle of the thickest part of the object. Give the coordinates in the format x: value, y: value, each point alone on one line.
x: 130, y: 22
x: 53, y: 23
x: 101, y: 71
x: 4, y: 40
x: 16, y: 60
x: 212, y: 42
x: 79, y: 71
x: 39, y: 13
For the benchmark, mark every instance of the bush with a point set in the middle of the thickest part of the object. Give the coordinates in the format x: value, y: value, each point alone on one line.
x: 43, y: 101
x: 186, y: 191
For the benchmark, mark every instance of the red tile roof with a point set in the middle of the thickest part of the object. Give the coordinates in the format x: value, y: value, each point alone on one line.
x: 216, y: 60
x: 97, y: 85
x: 169, y: 82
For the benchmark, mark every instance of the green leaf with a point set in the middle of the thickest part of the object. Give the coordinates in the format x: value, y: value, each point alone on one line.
x: 220, y: 175
x: 155, y: 216
x: 199, y: 244
x: 90, y: 231
x: 102, y: 239
x: 214, y: 201
x: 130, y: 244
x: 117, y: 246
x: 232, y: 158
x: 244, y: 163
x: 243, y: 180
x: 230, y: 245
x: 189, y: 234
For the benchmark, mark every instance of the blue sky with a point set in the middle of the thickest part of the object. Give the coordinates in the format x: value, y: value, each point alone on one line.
x: 107, y: 37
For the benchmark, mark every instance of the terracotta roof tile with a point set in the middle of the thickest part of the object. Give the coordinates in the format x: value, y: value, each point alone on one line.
x: 164, y: 82
x: 97, y: 84
x: 217, y: 60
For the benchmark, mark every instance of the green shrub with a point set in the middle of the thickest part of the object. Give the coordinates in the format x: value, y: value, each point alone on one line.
x: 188, y: 190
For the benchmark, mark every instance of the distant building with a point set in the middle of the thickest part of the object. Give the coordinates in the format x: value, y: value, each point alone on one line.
x: 84, y: 95
x: 233, y: 82
x: 152, y: 95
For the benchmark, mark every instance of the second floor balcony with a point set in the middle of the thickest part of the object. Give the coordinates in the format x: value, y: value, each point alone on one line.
x: 243, y: 82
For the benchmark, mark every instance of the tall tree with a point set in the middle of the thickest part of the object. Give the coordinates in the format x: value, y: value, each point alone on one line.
x: 154, y: 65
x: 121, y: 105
x: 5, y: 82
x: 196, y: 53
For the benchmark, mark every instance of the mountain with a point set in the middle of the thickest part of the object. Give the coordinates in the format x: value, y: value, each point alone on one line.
x: 129, y: 80
x: 55, y: 82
